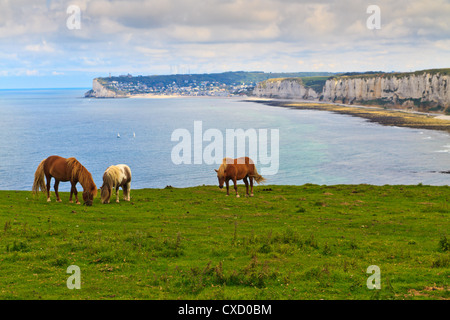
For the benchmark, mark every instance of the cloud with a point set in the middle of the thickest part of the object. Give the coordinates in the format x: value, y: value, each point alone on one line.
x: 31, y: 72
x: 149, y: 36
x: 41, y: 47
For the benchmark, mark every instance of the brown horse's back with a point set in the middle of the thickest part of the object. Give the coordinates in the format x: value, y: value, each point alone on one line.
x: 240, y: 168
x: 56, y: 167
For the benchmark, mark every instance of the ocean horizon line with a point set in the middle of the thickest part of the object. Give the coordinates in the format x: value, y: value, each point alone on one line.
x: 49, y: 88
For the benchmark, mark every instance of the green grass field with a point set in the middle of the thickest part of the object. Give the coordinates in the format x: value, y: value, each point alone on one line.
x: 287, y: 242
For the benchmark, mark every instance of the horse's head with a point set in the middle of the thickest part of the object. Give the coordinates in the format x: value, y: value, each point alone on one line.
x: 220, y: 176
x: 105, y: 194
x: 88, y: 198
x: 89, y: 195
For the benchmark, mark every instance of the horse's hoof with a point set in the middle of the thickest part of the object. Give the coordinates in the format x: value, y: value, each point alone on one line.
x: 251, y: 195
x: 70, y: 201
x: 227, y: 195
x: 48, y: 200
x: 78, y: 202
x: 59, y: 200
x: 238, y: 196
x: 117, y: 201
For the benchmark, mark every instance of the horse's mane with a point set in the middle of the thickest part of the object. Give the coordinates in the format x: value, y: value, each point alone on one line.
x: 111, y: 176
x: 224, y: 165
x: 81, y: 174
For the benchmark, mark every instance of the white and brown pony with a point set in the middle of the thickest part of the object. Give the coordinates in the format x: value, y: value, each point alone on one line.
x: 115, y: 177
x: 238, y: 169
x: 63, y: 169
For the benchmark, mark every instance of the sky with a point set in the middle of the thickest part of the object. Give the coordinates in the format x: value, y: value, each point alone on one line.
x: 59, y: 43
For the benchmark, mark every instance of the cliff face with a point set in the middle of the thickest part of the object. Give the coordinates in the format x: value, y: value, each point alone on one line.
x: 99, y: 91
x: 406, y: 90
x: 285, y: 89
x: 422, y: 90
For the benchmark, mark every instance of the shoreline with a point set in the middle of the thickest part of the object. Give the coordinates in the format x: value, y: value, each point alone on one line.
x: 387, y: 117
x: 174, y: 96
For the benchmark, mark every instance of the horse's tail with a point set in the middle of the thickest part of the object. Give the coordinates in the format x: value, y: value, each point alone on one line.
x: 258, y: 178
x: 39, y: 182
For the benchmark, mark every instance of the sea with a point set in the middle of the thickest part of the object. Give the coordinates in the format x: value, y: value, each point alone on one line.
x: 317, y: 147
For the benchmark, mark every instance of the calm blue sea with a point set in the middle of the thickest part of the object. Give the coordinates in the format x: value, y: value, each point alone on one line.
x: 315, y: 146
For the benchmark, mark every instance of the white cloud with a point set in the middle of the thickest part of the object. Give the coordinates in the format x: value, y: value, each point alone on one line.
x: 149, y: 36
x: 151, y: 51
x: 443, y: 45
x: 31, y: 72
x: 41, y: 47
x: 320, y: 19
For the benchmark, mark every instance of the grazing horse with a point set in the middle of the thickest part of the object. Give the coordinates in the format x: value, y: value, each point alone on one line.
x: 63, y: 169
x: 115, y: 177
x: 238, y: 169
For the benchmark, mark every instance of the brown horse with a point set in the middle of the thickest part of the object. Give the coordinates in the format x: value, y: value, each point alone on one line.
x: 238, y: 169
x: 63, y: 169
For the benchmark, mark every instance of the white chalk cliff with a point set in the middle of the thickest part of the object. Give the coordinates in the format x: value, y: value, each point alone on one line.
x: 100, y: 91
x: 392, y: 89
x: 423, y: 89
x: 289, y: 88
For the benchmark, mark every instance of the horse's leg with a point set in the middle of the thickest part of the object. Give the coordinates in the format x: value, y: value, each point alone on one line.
x: 228, y: 187
x: 126, y: 191
x: 72, y: 191
x: 75, y: 192
x: 246, y: 185
x: 58, y: 199
x: 251, y: 186
x: 117, y: 194
x: 48, y: 178
x: 235, y: 187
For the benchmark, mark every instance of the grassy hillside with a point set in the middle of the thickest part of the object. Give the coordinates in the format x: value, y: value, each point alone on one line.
x: 374, y: 74
x: 287, y: 242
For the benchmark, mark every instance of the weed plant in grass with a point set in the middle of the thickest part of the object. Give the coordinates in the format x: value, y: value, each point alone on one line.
x: 287, y: 242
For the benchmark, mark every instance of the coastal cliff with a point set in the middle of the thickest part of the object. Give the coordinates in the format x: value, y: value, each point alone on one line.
x: 427, y: 90
x: 290, y: 88
x: 411, y: 90
x: 100, y: 90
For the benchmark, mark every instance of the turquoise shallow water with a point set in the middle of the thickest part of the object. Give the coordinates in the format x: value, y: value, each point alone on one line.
x: 314, y: 146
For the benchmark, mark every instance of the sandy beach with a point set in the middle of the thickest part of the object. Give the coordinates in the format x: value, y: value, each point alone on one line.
x: 153, y: 96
